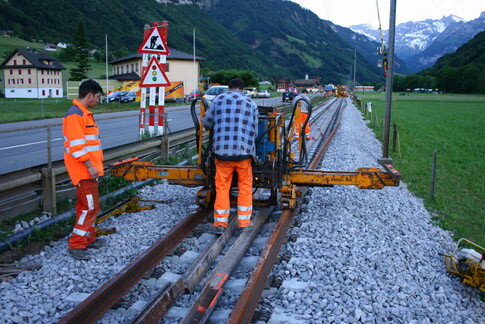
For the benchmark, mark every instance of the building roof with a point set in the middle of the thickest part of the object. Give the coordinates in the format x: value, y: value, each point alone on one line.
x: 35, y: 58
x: 302, y: 82
x: 174, y: 55
x: 132, y: 76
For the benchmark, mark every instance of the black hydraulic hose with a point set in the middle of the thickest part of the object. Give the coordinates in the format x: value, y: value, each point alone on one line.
x: 14, y: 239
x: 303, y: 153
x: 195, y: 118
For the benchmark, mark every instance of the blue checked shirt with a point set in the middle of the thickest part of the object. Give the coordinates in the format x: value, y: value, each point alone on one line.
x: 234, y: 120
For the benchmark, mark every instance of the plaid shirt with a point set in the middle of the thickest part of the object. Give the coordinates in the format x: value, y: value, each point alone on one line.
x: 234, y: 119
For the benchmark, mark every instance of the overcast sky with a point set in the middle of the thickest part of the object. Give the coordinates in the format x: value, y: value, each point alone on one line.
x: 353, y: 12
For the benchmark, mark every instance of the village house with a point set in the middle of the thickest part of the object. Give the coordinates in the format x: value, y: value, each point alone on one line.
x: 283, y: 84
x: 307, y: 83
x: 179, y: 67
x: 32, y: 74
x: 50, y: 47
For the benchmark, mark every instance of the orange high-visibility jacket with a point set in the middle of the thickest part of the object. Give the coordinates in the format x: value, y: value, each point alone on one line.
x: 81, y: 142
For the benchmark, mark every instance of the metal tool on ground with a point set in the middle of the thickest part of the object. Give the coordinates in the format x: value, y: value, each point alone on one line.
x: 128, y: 206
x: 468, y: 264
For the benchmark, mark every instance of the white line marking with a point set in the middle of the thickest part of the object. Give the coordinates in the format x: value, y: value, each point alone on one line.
x: 27, y: 144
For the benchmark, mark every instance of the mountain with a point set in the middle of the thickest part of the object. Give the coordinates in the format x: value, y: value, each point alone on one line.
x: 419, y: 44
x: 464, y: 70
x: 367, y: 30
x: 273, y: 38
x: 367, y: 47
x: 295, y: 38
x: 455, y: 34
x: 411, y: 37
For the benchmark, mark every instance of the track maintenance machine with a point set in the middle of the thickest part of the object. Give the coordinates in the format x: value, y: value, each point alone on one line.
x: 468, y: 264
x: 280, y: 164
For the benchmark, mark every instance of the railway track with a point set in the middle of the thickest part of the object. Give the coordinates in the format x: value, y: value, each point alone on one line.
x: 269, y: 224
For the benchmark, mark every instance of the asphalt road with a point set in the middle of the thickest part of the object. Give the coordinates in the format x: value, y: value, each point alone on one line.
x: 23, y: 149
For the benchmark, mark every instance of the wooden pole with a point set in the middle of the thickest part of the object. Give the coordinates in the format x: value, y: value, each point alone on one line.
x: 433, y: 175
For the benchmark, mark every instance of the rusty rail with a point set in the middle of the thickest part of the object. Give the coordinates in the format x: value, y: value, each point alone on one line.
x: 100, y: 301
x: 249, y: 299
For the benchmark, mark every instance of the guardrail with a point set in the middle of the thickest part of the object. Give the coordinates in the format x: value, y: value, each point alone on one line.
x: 40, y: 186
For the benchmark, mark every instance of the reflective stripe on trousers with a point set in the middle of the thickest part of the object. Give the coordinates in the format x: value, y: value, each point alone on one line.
x: 223, y: 179
x: 87, y: 208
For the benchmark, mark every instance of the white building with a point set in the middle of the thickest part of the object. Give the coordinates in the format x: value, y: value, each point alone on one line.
x: 32, y: 74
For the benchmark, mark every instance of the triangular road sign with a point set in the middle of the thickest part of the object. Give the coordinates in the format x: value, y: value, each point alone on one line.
x: 154, y: 43
x: 154, y: 76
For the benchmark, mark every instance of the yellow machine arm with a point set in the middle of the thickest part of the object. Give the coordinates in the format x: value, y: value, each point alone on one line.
x: 140, y: 171
x: 363, y: 178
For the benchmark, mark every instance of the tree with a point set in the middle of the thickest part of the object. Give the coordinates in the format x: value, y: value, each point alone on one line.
x: 80, y: 45
x: 224, y: 76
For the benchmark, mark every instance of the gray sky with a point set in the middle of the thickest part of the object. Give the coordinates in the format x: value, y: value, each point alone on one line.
x: 353, y: 12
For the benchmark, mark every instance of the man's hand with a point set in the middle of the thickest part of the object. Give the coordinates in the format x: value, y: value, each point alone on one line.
x: 93, y: 172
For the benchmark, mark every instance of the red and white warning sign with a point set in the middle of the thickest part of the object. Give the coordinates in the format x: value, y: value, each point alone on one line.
x: 154, y: 43
x: 154, y: 75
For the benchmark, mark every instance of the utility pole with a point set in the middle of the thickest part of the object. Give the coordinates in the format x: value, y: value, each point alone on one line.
x: 107, y: 82
x: 389, y: 82
x: 355, y: 66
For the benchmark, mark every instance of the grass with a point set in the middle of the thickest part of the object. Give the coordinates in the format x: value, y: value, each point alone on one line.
x: 453, y: 126
x: 12, y: 110
x: 8, y: 44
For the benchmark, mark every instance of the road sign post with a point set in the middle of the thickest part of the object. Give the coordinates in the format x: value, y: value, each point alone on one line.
x: 154, y: 48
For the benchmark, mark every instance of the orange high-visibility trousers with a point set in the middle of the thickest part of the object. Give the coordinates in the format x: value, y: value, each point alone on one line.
x: 299, y: 125
x: 87, y: 208
x: 224, y: 171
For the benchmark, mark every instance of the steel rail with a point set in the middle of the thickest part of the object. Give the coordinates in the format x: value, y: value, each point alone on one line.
x: 100, y: 301
x: 161, y: 303
x: 249, y: 299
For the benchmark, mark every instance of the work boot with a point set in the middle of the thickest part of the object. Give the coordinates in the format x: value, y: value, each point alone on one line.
x: 80, y: 254
x: 219, y: 230
x: 98, y: 243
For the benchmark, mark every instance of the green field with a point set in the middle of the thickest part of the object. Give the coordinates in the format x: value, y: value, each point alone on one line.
x: 8, y: 44
x: 453, y: 126
x: 12, y: 110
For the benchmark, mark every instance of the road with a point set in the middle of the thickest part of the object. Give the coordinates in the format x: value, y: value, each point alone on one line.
x: 28, y: 148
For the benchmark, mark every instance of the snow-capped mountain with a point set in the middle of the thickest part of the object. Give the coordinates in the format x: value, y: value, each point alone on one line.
x: 454, y: 35
x: 419, y: 44
x: 412, y: 37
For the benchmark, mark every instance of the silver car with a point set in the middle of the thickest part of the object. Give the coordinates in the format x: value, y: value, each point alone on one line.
x: 214, y: 91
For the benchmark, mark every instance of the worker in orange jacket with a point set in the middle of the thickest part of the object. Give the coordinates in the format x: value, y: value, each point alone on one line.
x: 304, y: 102
x: 83, y: 158
x: 233, y: 117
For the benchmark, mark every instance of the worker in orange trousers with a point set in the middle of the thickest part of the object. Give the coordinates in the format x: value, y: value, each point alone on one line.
x: 304, y: 102
x: 83, y: 158
x: 233, y: 117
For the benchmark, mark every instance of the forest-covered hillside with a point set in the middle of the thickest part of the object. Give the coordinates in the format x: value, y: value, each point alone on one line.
x: 273, y: 38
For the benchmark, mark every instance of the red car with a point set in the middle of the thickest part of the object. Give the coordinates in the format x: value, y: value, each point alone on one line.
x: 193, y: 95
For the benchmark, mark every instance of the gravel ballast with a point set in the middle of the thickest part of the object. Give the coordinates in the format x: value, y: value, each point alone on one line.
x: 368, y: 255
x: 359, y: 255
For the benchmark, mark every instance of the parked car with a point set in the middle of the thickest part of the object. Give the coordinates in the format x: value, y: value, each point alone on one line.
x: 214, y: 91
x: 115, y: 96
x: 248, y: 93
x: 263, y: 94
x: 193, y: 95
x: 288, y: 96
x: 129, y: 97
x: 253, y: 92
